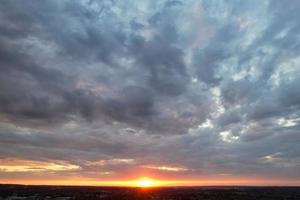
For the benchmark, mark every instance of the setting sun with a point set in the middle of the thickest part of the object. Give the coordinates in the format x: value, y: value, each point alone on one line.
x: 145, y: 182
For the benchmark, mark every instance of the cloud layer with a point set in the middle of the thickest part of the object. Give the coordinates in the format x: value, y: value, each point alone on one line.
x: 189, y: 89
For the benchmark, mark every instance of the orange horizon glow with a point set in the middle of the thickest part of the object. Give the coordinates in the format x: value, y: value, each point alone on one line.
x: 145, y: 182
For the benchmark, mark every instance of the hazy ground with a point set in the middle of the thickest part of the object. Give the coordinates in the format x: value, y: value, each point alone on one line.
x: 11, y: 192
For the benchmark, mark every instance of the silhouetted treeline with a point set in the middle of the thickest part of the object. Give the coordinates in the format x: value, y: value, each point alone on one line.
x: 17, y: 192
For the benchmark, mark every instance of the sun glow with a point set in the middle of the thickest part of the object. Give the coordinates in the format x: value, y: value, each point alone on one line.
x: 145, y: 182
x: 149, y: 183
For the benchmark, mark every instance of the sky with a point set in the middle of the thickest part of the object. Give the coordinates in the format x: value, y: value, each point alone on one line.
x: 100, y: 92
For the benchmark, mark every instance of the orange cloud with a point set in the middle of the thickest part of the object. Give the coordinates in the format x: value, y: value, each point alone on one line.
x: 13, y: 165
x: 166, y: 168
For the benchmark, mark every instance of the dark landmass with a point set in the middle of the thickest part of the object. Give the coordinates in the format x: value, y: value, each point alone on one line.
x: 18, y: 192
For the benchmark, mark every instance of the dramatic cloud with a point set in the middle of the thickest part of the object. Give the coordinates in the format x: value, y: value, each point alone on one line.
x: 186, y: 89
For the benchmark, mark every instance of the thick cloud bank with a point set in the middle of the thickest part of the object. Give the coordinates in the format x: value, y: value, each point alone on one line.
x: 181, y: 88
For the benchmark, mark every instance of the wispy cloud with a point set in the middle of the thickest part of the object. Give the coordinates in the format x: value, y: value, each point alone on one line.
x: 11, y: 165
x: 166, y: 168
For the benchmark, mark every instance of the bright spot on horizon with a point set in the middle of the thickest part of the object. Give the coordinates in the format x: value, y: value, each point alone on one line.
x: 145, y: 182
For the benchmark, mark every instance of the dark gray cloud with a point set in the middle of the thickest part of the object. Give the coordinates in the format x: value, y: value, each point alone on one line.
x: 211, y: 86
